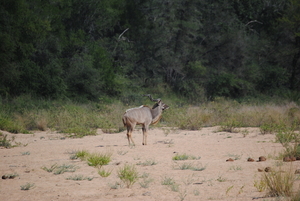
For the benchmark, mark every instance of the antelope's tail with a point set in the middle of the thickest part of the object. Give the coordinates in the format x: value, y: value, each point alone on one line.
x: 124, y: 119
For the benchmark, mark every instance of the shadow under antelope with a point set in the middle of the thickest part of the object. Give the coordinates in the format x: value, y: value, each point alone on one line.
x: 144, y: 116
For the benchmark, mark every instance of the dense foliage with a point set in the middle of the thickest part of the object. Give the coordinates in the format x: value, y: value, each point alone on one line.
x: 91, y: 49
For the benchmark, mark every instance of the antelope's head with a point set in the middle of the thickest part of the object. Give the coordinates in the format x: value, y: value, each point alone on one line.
x: 158, y: 103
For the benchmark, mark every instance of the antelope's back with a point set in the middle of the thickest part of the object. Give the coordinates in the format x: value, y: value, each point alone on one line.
x: 137, y: 115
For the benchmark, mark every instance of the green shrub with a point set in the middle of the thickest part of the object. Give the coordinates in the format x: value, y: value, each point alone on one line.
x: 128, y: 175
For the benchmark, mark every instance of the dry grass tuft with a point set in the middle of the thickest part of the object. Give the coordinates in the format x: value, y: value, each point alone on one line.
x: 279, y: 183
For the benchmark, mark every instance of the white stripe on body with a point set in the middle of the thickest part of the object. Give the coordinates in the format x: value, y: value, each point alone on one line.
x: 135, y: 108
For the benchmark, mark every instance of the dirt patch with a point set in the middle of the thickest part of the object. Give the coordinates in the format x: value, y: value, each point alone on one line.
x: 212, y: 177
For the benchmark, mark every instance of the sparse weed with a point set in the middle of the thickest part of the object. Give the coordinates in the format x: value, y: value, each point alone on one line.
x: 166, y: 131
x: 168, y: 141
x: 244, y: 132
x: 27, y: 186
x: 199, y: 167
x: 235, y: 168
x: 189, y: 166
x: 167, y: 181
x: 146, y: 180
x: 228, y: 189
x: 185, y: 166
x: 128, y: 175
x: 196, y: 192
x: 221, y: 179
x: 181, y: 157
x: 104, y: 173
x: 64, y: 168
x: 60, y: 169
x: 189, y: 179
x: 116, y: 185
x: 53, y: 167
x: 182, y: 195
x: 79, y: 178
x: 174, y: 187
x: 147, y: 163
x: 121, y: 152
x: 4, y: 142
x: 25, y: 153
x: 185, y: 157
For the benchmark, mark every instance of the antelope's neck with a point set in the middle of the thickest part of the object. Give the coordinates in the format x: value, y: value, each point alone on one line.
x: 156, y: 115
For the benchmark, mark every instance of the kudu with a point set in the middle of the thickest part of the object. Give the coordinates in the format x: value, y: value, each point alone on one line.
x: 144, y: 116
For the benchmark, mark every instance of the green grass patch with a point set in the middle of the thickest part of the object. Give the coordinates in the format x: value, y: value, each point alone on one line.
x: 98, y: 159
x: 93, y: 159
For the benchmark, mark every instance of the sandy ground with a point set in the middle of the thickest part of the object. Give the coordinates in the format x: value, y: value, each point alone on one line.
x: 220, y: 180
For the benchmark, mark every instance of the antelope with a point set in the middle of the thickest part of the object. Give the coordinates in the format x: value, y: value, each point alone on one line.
x: 144, y: 116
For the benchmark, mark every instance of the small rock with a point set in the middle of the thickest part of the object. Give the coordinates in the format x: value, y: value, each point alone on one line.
x: 4, y: 177
x: 268, y: 169
x: 262, y: 158
x: 293, y: 158
x: 297, y: 171
x: 260, y: 170
x: 298, y: 158
x: 229, y: 160
x: 250, y: 160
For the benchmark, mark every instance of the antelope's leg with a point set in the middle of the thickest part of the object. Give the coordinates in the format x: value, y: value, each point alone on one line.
x: 144, y: 136
x: 129, y: 136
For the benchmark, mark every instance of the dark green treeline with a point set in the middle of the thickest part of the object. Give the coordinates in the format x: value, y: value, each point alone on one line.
x: 110, y: 48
